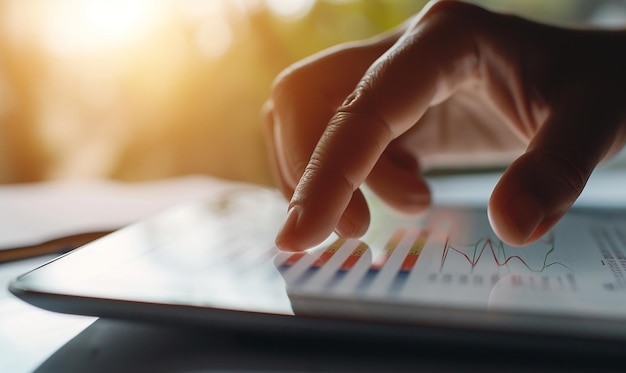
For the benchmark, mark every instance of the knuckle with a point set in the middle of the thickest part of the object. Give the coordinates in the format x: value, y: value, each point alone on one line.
x: 302, y: 73
x: 379, y: 129
x: 288, y: 85
x: 453, y: 20
x: 452, y: 9
x: 284, y: 83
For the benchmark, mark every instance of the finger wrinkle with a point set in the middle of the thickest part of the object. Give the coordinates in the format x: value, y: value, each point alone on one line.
x: 372, y: 122
x: 316, y: 168
x: 572, y: 176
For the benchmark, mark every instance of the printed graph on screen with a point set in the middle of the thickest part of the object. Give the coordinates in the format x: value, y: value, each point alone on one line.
x: 536, y: 259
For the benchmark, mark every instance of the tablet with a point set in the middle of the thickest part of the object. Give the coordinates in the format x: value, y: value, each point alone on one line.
x: 440, y: 276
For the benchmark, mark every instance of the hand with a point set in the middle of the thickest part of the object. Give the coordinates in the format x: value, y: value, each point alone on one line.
x: 455, y: 84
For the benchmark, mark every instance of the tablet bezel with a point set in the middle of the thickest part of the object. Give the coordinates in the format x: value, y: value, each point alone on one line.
x: 497, y: 329
x: 443, y: 324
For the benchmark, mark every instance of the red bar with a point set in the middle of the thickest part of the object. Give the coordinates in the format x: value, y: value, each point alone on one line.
x: 414, y: 252
x: 293, y: 258
x: 328, y: 253
x: 354, y: 257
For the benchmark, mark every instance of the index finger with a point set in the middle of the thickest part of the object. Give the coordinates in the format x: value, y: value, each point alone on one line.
x: 422, y: 68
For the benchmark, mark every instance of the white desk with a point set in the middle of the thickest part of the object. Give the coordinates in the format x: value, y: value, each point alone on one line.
x: 33, y: 213
x: 28, y: 335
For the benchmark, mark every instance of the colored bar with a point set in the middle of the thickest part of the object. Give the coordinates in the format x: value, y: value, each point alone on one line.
x: 381, y: 260
x: 367, y: 280
x: 414, y: 252
x: 328, y: 253
x: 347, y: 265
x: 354, y: 257
x: 409, y: 261
x: 320, y: 261
x: 398, y: 282
x: 293, y: 258
x: 389, y: 248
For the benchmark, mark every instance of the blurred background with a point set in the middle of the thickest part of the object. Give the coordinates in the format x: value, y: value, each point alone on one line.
x: 142, y: 89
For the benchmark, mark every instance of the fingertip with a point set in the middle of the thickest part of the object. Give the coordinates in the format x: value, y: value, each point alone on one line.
x: 534, y: 193
x: 303, y: 229
x: 517, y: 221
x: 287, y: 237
x: 514, y: 211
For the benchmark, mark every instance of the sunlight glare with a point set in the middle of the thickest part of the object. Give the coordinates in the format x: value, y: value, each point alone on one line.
x: 248, y: 5
x: 199, y: 9
x: 290, y: 8
x: 83, y: 26
x: 214, y: 37
x: 114, y: 20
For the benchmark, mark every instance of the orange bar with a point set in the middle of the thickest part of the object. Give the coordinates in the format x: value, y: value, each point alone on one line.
x: 293, y: 258
x: 414, y: 252
x: 328, y: 253
x: 388, y: 250
x: 354, y: 257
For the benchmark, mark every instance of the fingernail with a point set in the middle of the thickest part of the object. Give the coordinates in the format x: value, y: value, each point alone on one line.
x: 284, y: 238
x: 526, y: 215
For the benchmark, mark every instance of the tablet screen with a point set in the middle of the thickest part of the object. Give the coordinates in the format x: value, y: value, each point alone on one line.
x: 452, y: 258
x: 219, y: 254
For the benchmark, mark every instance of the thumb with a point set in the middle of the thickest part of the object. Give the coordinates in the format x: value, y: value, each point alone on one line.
x: 540, y: 186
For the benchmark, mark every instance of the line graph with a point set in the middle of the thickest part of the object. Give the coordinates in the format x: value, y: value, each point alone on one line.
x: 496, y: 250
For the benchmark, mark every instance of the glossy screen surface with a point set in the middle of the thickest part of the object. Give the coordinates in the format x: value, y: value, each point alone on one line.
x: 219, y: 253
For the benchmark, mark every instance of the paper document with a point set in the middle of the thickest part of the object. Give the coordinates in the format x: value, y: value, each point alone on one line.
x: 34, y: 213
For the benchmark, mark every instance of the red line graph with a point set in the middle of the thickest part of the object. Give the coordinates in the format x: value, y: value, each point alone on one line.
x: 497, y: 252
